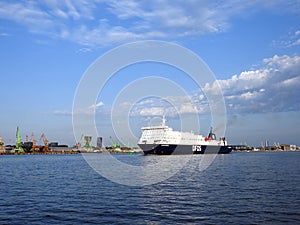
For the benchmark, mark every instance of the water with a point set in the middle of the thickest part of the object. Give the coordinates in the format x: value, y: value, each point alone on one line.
x: 239, y: 188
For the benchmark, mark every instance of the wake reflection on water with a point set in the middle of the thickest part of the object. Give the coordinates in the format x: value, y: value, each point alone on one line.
x: 137, y: 171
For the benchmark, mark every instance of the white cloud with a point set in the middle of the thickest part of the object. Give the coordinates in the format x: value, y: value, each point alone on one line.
x: 290, y: 40
x: 171, y: 106
x: 295, y: 39
x: 27, y: 14
x: 152, y: 111
x: 292, y: 82
x: 187, y: 108
x: 275, y: 87
x: 249, y: 95
x: 100, y: 23
x: 92, y: 109
x: 95, y: 108
x: 62, y: 112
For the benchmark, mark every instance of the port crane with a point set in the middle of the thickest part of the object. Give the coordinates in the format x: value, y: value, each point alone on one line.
x: 34, y: 147
x: 114, y: 144
x: 19, y: 141
x: 45, y: 141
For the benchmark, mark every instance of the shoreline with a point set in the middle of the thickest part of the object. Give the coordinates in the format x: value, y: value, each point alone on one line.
x: 116, y: 152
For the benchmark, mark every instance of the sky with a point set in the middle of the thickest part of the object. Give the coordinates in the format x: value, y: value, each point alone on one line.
x: 251, y: 47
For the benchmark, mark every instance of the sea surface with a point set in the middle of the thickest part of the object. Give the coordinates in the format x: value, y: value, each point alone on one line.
x: 238, y: 188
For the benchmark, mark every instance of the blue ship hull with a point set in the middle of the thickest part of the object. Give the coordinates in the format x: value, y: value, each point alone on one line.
x: 161, y: 149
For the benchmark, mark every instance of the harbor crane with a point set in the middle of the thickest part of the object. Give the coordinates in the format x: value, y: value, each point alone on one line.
x: 34, y: 147
x: 45, y: 141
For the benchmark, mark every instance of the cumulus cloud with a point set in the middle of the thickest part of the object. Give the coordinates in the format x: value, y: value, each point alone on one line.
x: 275, y: 87
x: 170, y: 106
x: 101, y: 23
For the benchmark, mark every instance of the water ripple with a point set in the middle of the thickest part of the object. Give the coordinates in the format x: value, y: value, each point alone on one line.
x: 240, y: 188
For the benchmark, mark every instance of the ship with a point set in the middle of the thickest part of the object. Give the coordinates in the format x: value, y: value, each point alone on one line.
x: 163, y: 140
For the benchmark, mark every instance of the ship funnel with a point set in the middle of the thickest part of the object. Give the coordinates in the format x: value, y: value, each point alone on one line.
x: 211, y: 134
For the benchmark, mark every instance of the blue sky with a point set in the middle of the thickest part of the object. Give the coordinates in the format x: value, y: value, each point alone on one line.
x: 252, y: 47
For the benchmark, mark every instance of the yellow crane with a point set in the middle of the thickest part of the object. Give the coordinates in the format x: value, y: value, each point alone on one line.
x: 34, y: 147
x: 46, y: 142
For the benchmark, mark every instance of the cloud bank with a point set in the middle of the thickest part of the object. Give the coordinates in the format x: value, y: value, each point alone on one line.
x: 101, y: 23
x: 274, y: 87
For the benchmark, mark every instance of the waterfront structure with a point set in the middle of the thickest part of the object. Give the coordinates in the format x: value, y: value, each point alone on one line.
x: 2, y: 149
x: 287, y: 147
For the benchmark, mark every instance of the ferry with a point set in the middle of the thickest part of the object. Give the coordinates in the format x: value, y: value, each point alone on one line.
x: 163, y: 140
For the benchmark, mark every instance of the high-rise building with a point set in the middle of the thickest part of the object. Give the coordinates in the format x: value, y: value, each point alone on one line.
x: 99, y: 142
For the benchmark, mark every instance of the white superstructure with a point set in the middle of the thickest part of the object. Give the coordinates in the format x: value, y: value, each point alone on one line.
x: 165, y: 135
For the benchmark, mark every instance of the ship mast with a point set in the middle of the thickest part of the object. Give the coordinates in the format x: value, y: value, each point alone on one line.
x: 163, y: 121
